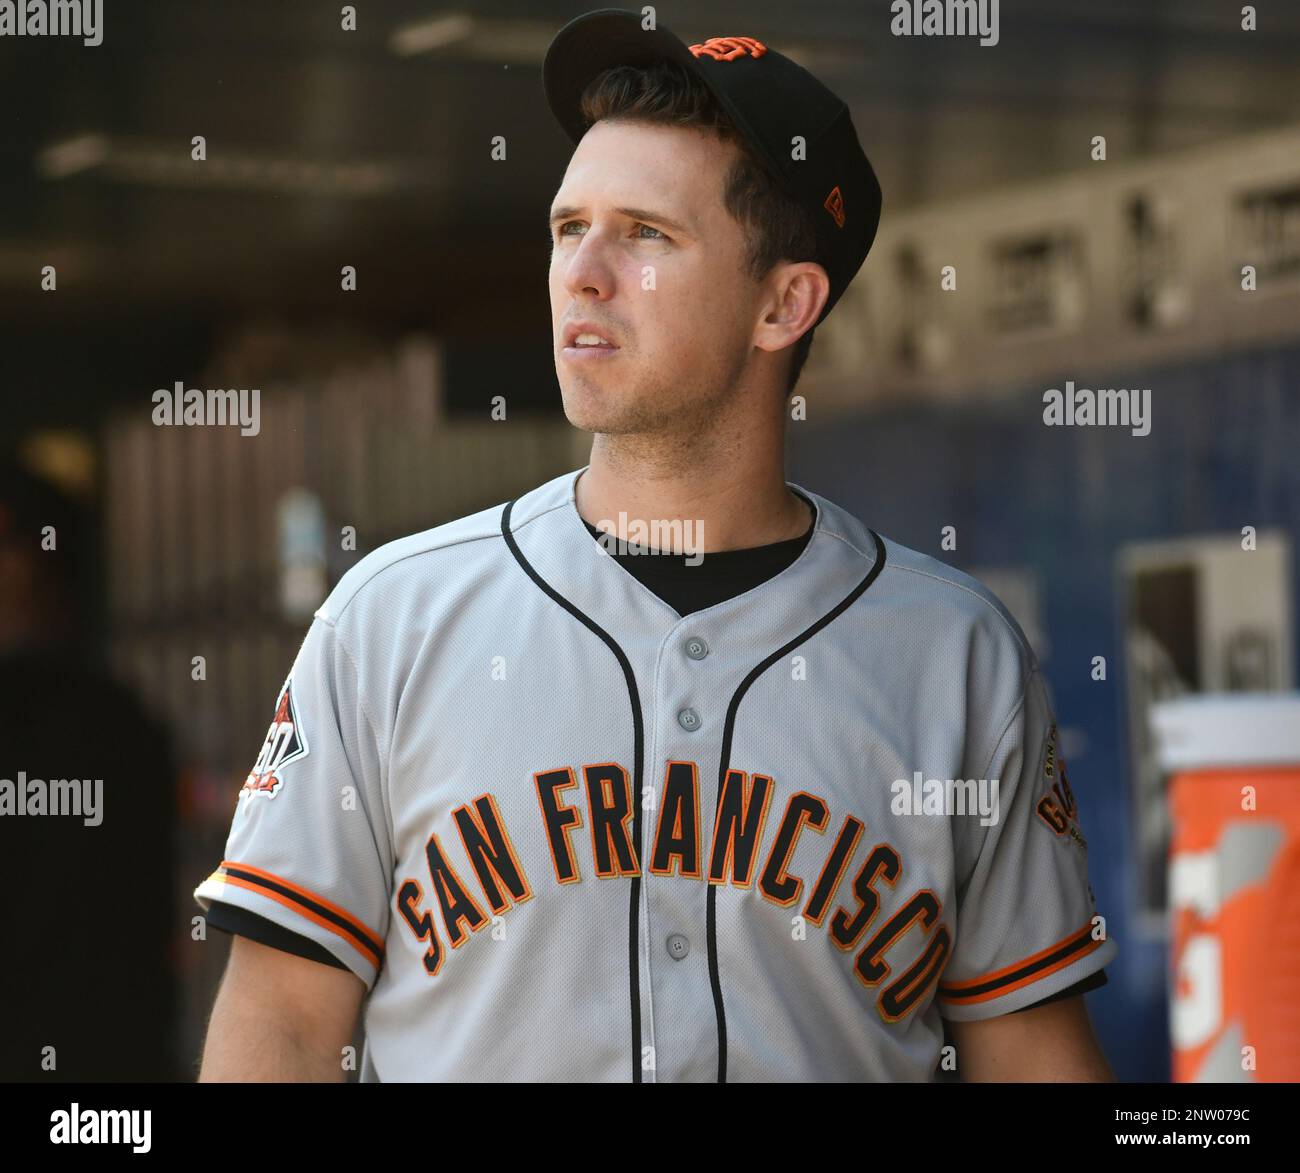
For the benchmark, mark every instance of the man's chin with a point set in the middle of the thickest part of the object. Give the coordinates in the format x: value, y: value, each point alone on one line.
x: 598, y: 411
x: 588, y: 414
x: 599, y: 425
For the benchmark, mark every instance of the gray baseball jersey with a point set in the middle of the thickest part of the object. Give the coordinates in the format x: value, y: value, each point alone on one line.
x: 562, y: 833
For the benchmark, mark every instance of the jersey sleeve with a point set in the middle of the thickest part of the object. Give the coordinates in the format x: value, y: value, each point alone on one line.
x: 309, y: 847
x: 242, y: 923
x: 1025, y: 912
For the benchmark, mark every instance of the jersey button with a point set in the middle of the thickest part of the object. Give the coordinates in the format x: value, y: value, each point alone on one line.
x: 678, y: 946
x: 696, y: 648
x: 689, y: 720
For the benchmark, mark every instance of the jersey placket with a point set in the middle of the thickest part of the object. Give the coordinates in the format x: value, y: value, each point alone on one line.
x: 682, y: 763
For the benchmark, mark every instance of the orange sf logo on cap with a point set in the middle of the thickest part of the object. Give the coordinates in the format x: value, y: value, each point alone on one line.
x: 729, y: 48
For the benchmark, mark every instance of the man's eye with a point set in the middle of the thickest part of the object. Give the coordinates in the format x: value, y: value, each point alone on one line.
x: 563, y: 230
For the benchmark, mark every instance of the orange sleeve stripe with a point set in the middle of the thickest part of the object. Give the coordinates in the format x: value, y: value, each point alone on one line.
x: 306, y: 903
x: 1021, y: 973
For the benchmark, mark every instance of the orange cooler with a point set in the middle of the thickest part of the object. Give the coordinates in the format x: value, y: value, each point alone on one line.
x: 1233, y: 764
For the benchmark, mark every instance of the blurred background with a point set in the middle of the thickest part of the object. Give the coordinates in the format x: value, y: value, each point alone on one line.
x: 1117, y: 189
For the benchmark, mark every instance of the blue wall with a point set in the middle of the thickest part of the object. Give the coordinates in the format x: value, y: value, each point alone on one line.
x: 1223, y: 452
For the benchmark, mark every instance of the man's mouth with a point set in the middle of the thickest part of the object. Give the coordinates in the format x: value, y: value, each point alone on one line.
x: 587, y: 346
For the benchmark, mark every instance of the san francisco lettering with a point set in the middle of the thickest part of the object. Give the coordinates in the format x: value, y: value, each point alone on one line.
x: 588, y: 822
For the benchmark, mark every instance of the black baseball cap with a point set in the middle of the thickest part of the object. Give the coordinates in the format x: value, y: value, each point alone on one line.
x: 770, y: 100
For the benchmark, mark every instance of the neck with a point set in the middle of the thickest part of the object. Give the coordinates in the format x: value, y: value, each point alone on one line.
x: 734, y: 499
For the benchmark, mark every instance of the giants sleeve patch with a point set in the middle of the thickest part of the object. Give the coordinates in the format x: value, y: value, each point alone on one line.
x: 285, y: 742
x: 1058, y: 808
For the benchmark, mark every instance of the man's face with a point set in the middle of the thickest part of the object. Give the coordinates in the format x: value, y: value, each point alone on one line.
x: 643, y: 249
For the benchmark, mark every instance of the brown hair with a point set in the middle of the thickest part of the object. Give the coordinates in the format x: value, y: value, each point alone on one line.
x: 777, y: 228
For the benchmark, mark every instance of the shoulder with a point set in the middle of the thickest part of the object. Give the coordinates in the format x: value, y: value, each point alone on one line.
x: 398, y: 582
x: 935, y: 626
x: 954, y: 596
x: 410, y: 563
x: 919, y: 585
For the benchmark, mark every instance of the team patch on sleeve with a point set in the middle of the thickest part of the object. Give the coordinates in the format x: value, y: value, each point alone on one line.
x: 285, y: 742
x: 1058, y: 808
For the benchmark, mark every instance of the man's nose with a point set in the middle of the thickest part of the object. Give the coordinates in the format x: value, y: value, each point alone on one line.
x: 588, y: 266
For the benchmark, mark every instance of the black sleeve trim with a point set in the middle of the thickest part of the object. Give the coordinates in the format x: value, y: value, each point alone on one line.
x: 230, y: 918
x: 1094, y: 981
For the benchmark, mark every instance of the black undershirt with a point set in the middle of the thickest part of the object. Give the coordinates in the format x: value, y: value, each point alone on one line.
x: 687, y: 589
x: 714, y: 579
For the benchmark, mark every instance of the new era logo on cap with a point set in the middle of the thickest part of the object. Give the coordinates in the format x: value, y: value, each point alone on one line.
x: 835, y: 206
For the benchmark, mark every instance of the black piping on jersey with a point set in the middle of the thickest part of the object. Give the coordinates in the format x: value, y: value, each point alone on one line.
x: 715, y: 980
x: 365, y: 945
x: 1094, y: 981
x: 1079, y: 942
x: 634, y: 934
x: 711, y: 908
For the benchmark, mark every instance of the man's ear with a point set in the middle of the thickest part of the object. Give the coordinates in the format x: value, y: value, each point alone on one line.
x: 799, y: 290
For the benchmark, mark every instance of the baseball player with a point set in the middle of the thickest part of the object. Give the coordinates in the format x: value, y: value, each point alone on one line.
x: 668, y: 769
